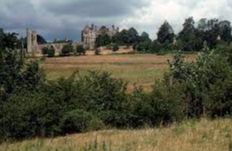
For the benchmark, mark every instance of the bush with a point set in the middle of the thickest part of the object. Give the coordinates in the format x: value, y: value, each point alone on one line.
x: 76, y: 121
x: 80, y: 50
x: 51, y: 52
x: 67, y: 50
x: 203, y: 78
x: 115, y: 47
x: 164, y: 105
x: 45, y: 51
x: 48, y: 51
x: 29, y: 114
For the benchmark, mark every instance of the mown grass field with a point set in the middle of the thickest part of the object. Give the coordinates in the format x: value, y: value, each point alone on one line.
x: 139, y: 69
x: 203, y: 135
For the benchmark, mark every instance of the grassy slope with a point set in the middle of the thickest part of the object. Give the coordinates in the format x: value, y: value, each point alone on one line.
x: 203, y: 135
x: 142, y: 69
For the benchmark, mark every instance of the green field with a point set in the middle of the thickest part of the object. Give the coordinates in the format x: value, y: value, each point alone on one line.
x: 139, y: 69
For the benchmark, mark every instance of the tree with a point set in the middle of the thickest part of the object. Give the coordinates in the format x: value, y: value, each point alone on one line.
x: 144, y: 37
x: 103, y: 40
x: 67, y: 49
x: 9, y: 40
x: 126, y: 37
x: 133, y: 36
x: 115, y: 47
x: 80, y: 50
x: 213, y: 31
x: 225, y: 30
x: 166, y: 34
x: 189, y: 36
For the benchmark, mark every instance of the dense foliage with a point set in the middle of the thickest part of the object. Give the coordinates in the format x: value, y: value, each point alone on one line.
x: 48, y: 51
x: 67, y: 50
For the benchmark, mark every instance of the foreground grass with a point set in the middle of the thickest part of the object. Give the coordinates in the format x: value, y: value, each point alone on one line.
x: 203, y: 135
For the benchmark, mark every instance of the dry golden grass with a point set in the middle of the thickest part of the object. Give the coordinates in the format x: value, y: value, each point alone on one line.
x: 142, y: 69
x: 203, y: 135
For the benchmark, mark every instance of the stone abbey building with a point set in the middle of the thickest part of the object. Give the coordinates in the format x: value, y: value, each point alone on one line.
x: 88, y: 39
x: 90, y: 33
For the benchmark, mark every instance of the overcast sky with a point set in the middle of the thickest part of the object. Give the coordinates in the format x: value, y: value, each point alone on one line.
x: 66, y: 18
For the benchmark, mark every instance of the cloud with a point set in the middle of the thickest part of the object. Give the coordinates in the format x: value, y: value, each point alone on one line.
x: 93, y: 8
x: 66, y: 18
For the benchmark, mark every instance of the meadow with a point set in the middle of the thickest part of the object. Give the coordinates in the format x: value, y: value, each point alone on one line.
x: 192, y: 135
x: 137, y: 69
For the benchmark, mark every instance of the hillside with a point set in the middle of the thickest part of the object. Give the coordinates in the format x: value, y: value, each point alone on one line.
x: 203, y: 135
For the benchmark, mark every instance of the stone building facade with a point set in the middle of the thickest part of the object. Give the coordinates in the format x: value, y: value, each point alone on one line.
x: 90, y: 33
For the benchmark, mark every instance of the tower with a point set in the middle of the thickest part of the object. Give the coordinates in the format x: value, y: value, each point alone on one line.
x: 32, y: 44
x: 29, y: 44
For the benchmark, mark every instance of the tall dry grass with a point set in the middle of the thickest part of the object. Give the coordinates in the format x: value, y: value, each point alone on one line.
x: 202, y: 135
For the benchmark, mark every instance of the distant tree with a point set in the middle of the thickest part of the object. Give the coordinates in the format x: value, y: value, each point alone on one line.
x: 67, y: 49
x: 126, y: 37
x: 9, y: 40
x: 166, y: 33
x: 211, y: 30
x: 115, y: 47
x: 189, y: 36
x: 225, y: 30
x: 133, y: 36
x: 45, y: 51
x: 48, y: 51
x: 144, y: 44
x: 103, y: 40
x: 121, y: 38
x: 144, y: 37
x: 80, y: 50
x: 51, y: 52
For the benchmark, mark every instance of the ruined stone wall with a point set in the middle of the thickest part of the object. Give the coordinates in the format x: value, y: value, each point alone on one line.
x: 35, y: 49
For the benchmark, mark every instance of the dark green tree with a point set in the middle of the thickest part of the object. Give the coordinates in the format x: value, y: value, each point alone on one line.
x: 225, y: 30
x: 80, y: 50
x: 103, y: 40
x: 188, y: 36
x: 166, y: 34
x: 144, y: 37
x: 67, y: 50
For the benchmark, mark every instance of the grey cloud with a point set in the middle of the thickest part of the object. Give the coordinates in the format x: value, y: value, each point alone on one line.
x: 94, y: 8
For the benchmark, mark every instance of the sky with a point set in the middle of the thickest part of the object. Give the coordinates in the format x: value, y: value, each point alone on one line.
x: 66, y: 18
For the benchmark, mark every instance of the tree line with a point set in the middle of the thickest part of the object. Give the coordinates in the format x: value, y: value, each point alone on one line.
x: 205, y: 34
x: 32, y: 106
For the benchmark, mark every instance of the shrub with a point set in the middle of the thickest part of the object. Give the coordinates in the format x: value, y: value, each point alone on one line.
x: 48, y: 51
x: 200, y: 79
x: 45, y: 51
x: 66, y: 50
x: 80, y: 50
x: 28, y: 114
x: 115, y: 47
x: 164, y: 105
x: 76, y: 121
x: 51, y: 52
